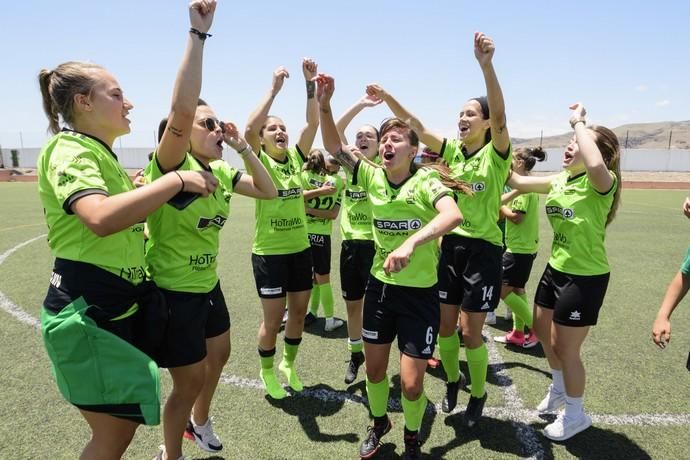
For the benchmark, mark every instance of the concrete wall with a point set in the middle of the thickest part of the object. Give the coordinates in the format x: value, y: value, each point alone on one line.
x: 632, y: 160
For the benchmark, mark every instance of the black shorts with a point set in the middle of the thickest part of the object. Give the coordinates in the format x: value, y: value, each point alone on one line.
x: 320, y: 253
x: 408, y: 312
x: 276, y: 275
x: 517, y: 268
x: 469, y: 273
x: 356, y: 257
x: 575, y: 299
x: 193, y: 318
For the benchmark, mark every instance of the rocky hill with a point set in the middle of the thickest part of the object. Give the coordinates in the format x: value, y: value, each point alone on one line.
x: 639, y: 136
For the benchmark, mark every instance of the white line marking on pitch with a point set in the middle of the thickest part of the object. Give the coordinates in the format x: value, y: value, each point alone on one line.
x: 5, y: 303
x: 526, y: 435
x: 514, y: 410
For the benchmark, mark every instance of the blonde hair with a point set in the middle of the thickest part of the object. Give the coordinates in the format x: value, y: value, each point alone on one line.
x: 60, y: 85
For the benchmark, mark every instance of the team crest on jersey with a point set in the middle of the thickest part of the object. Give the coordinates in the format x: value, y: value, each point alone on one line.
x: 409, y: 199
x: 205, y: 222
x: 565, y: 213
x: 478, y: 187
x: 285, y: 170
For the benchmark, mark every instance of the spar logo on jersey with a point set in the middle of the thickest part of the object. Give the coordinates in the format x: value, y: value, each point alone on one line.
x: 205, y: 222
x: 356, y: 196
x: 557, y: 211
x: 478, y: 187
x: 315, y: 183
x: 290, y: 193
x: 397, y: 225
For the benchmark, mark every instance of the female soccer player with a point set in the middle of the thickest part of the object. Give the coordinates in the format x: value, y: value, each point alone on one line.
x: 471, y: 277
x: 522, y: 242
x: 322, y: 195
x: 357, y: 247
x: 281, y: 256
x: 410, y: 208
x: 93, y: 317
x: 581, y: 201
x: 182, y: 252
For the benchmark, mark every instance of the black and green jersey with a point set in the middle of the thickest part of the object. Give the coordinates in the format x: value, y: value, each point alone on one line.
x: 486, y: 172
x: 72, y: 165
x: 183, y: 243
x: 281, y: 222
x: 577, y: 213
x: 523, y: 238
x: 311, y: 181
x: 399, y: 211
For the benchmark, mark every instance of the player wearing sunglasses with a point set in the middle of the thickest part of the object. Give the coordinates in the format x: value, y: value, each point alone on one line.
x: 183, y: 246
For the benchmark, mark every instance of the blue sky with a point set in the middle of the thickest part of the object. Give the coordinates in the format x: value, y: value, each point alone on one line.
x: 628, y: 62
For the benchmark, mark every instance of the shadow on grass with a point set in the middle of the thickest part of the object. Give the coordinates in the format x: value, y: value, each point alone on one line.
x: 308, y: 409
x: 316, y: 328
x: 596, y: 443
x: 493, y: 435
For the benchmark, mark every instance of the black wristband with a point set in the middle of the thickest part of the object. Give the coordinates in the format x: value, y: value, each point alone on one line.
x: 202, y: 35
x: 182, y: 184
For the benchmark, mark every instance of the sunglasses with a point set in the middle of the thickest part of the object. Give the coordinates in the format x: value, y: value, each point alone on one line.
x: 211, y: 123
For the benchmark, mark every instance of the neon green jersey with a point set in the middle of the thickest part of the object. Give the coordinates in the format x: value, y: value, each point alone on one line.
x: 577, y: 213
x: 183, y: 243
x: 399, y: 211
x: 523, y: 238
x: 72, y: 165
x: 355, y: 219
x: 311, y: 181
x: 281, y: 222
x: 486, y: 172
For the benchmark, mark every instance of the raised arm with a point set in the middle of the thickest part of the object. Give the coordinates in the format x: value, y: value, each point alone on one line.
x: 329, y: 133
x: 484, y: 51
x: 306, y: 137
x: 429, y: 138
x: 259, y: 115
x: 527, y: 184
x: 257, y: 183
x: 346, y: 118
x: 175, y: 141
x: 597, y: 171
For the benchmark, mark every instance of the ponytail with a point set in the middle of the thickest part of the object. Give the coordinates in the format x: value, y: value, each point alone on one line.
x: 530, y: 156
x: 51, y: 111
x: 60, y: 85
x: 447, y: 179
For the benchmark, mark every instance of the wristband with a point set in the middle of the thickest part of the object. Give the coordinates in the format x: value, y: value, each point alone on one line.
x: 576, y: 121
x: 245, y: 151
x: 202, y: 35
x: 181, y: 181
